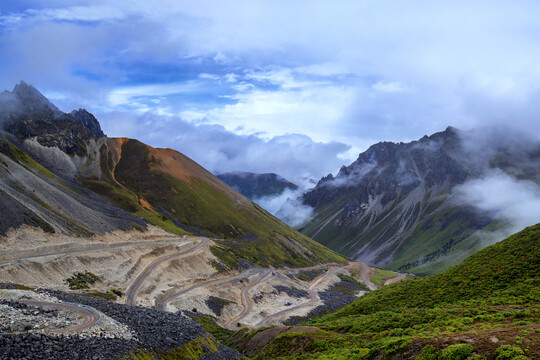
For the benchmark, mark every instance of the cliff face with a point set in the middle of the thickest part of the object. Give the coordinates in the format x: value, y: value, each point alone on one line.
x: 394, y: 206
x: 26, y: 113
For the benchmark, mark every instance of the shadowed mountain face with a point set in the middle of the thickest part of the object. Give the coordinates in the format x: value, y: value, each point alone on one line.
x: 59, y: 172
x: 41, y: 150
x: 26, y: 113
x: 255, y: 186
x: 396, y: 205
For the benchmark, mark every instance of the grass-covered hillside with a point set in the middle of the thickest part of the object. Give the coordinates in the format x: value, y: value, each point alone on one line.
x: 174, y: 192
x: 487, y: 307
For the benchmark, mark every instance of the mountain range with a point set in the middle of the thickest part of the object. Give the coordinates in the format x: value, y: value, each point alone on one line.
x: 58, y: 171
x: 402, y: 205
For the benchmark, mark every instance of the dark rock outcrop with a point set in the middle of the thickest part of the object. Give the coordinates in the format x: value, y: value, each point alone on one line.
x: 26, y: 113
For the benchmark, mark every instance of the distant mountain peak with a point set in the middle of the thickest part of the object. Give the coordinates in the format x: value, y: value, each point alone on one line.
x: 31, y: 100
x: 27, y: 113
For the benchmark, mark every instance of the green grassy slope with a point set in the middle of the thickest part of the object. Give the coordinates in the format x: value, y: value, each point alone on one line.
x: 179, y: 192
x: 491, y: 299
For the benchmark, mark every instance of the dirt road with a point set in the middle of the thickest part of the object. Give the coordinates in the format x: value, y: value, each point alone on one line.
x: 135, y: 286
x: 162, y: 304
x: 89, y: 315
x: 54, y: 250
x: 364, y: 274
x: 246, y: 304
x: 313, y: 298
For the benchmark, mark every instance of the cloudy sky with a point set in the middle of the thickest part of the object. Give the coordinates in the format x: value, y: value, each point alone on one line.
x: 293, y: 87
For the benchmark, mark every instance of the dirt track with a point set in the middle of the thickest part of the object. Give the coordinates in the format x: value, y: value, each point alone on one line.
x: 246, y: 303
x: 90, y: 315
x: 313, y: 298
x: 134, y: 288
x: 81, y: 248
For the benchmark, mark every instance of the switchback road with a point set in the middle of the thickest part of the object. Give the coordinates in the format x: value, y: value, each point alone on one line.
x: 135, y: 286
x: 313, y: 298
x: 246, y: 304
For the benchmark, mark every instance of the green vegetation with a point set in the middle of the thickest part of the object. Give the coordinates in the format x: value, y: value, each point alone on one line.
x: 209, y: 324
x: 495, y: 292
x: 381, y: 275
x: 196, y: 202
x: 99, y: 294
x: 116, y: 292
x: 81, y: 280
x: 509, y: 352
x: 456, y: 352
x: 195, y: 349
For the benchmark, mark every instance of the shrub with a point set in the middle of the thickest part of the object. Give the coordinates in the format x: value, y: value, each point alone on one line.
x: 508, y: 352
x: 81, y: 280
x: 429, y: 352
x: 456, y: 352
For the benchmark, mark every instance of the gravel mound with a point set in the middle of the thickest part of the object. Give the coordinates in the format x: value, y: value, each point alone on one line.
x: 292, y: 292
x: 154, y: 330
x: 216, y: 304
x: 333, y: 301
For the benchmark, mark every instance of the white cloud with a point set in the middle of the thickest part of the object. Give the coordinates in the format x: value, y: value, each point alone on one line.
x: 287, y: 207
x: 393, y: 86
x: 516, y: 202
x: 356, y: 72
x: 295, y: 157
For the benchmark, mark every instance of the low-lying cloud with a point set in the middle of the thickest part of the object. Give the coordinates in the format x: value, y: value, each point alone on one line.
x: 288, y: 207
x: 514, y: 202
x: 296, y: 157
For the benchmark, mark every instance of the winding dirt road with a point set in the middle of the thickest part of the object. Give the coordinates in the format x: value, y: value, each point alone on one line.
x: 162, y: 304
x: 89, y: 315
x: 135, y: 286
x: 313, y: 298
x: 246, y: 304
x: 365, y: 277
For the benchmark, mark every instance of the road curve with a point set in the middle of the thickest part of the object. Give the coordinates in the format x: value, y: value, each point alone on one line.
x: 90, y: 315
x: 162, y: 304
x: 135, y: 286
x: 365, y: 278
x: 313, y: 298
x: 246, y: 304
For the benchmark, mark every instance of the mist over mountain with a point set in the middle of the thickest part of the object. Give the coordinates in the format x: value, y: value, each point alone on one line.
x: 26, y: 113
x: 255, y: 186
x: 424, y: 205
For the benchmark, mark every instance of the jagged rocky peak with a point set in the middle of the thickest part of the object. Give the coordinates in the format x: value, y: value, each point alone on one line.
x: 26, y: 113
x: 89, y: 121
x: 32, y: 101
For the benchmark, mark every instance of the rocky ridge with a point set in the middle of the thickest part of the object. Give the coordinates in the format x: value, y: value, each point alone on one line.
x: 397, y: 198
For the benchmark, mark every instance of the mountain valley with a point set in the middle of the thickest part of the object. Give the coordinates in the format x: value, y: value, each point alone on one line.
x: 113, y: 249
x: 117, y: 220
